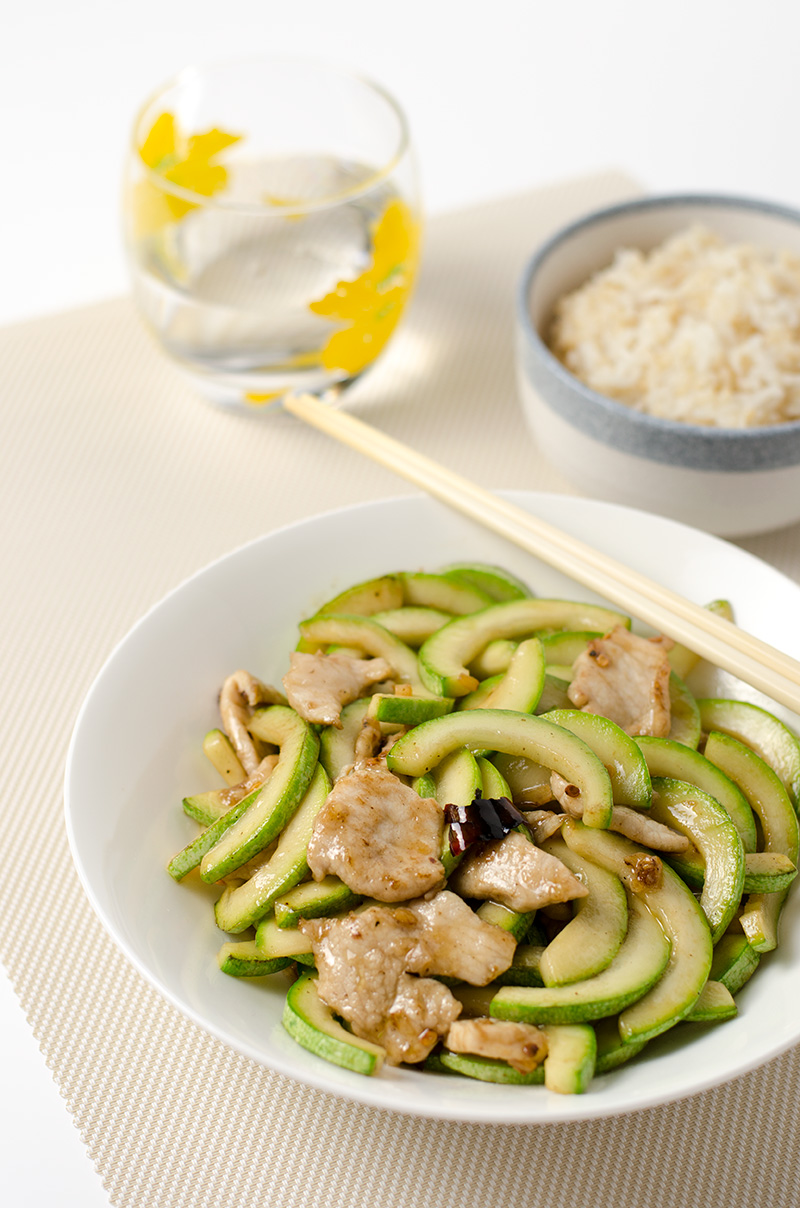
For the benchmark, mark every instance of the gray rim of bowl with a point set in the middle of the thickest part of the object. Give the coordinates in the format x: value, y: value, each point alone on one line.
x: 672, y: 442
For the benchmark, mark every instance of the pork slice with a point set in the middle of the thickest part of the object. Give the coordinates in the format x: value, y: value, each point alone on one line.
x: 318, y: 686
x: 516, y: 873
x: 520, y: 1044
x: 626, y: 678
x: 378, y: 836
x: 361, y: 958
x: 631, y: 823
x: 454, y: 942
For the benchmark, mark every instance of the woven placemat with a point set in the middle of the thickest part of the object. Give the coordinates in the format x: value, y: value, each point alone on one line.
x: 115, y: 484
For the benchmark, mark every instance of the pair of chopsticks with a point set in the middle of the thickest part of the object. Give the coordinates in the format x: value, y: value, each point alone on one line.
x: 708, y: 635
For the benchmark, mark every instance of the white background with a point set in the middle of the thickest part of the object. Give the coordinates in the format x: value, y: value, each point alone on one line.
x: 501, y: 97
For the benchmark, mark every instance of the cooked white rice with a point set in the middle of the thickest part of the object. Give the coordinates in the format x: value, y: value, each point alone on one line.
x: 697, y: 330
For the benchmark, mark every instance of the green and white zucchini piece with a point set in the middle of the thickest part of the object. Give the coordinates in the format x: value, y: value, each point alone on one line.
x: 616, y: 750
x: 312, y: 1024
x: 484, y: 1069
x: 735, y: 961
x: 681, y: 920
x: 246, y: 960
x: 365, y: 599
x: 524, y: 968
x: 494, y: 659
x: 529, y: 782
x: 192, y: 855
x: 684, y: 714
x: 277, y: 799
x: 274, y: 942
x: 496, y: 582
x: 770, y: 802
x: 512, y: 921
x: 314, y: 900
x: 678, y: 762
x: 562, y: 649
x: 768, y: 872
x: 444, y: 659
x: 534, y: 738
x: 442, y: 593
x: 493, y: 783
x: 456, y: 780
x: 412, y: 625
x: 364, y: 633
x: 408, y: 710
x: 612, y: 1050
x: 337, y: 746
x: 571, y: 1056
x: 521, y: 686
x: 592, y: 938
x: 218, y: 749
x: 709, y: 828
x: 762, y: 732
x: 244, y: 905
x: 638, y: 965
x: 714, y: 1005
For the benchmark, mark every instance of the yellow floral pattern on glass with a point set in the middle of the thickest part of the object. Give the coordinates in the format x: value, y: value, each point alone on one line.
x: 184, y: 161
x: 371, y: 305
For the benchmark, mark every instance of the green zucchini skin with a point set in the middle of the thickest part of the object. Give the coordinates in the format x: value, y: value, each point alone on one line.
x: 702, y: 819
x: 681, y: 920
x: 638, y: 965
x: 445, y: 658
x: 191, y: 856
x: 521, y: 734
x: 240, y: 907
x: 245, y: 960
x: 312, y: 1024
x: 762, y: 732
x: 277, y: 800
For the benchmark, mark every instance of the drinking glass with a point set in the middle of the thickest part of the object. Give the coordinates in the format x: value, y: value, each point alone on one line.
x: 272, y: 225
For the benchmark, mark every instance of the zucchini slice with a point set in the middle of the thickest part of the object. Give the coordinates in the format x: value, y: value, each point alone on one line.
x: 677, y: 762
x: 244, y: 905
x: 192, y: 855
x: 770, y: 802
x: 245, y: 960
x: 592, y: 938
x: 762, y: 732
x: 571, y: 1056
x: 312, y: 1024
x: 218, y: 748
x: 496, y: 582
x: 314, y: 900
x: 279, y: 797
x: 618, y: 752
x: 365, y: 599
x: 681, y: 920
x: 735, y: 961
x: 638, y: 965
x: 443, y: 593
x: 534, y: 738
x: 337, y: 746
x: 411, y: 624
x: 445, y: 657
x: 714, y: 1005
x: 684, y: 714
x: 274, y: 942
x: 708, y: 826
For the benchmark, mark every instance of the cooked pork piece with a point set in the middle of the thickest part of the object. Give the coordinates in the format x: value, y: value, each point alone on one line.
x: 520, y: 1044
x: 240, y: 695
x: 631, y: 823
x: 454, y: 942
x: 626, y: 678
x: 516, y: 873
x: 422, y: 1012
x: 319, y: 685
x: 543, y: 824
x: 641, y: 829
x: 378, y: 836
x: 369, y: 739
x: 361, y: 958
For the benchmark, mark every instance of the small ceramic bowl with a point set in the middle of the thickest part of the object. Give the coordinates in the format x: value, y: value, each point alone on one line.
x: 730, y: 481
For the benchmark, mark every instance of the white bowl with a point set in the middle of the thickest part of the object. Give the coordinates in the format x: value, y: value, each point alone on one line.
x: 730, y: 481
x: 136, y: 751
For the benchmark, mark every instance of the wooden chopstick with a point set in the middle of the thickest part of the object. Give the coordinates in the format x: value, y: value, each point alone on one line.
x: 705, y: 633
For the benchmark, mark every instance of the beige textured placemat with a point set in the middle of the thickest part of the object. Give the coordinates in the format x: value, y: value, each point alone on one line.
x: 116, y: 483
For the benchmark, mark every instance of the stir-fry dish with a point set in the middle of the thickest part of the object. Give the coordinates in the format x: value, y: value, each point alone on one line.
x: 492, y: 835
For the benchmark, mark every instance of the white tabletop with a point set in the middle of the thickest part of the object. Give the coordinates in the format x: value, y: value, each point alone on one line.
x: 685, y: 96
